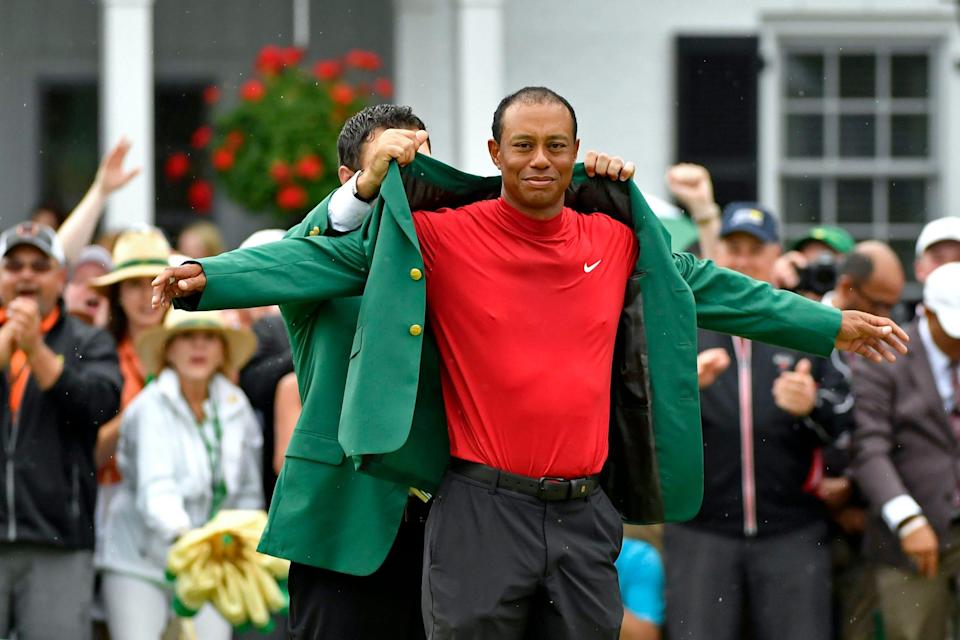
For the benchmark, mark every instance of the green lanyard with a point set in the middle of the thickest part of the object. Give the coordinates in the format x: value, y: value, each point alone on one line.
x: 215, y: 456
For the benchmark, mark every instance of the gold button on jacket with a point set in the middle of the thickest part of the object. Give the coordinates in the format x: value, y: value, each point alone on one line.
x: 415, y: 274
x: 415, y: 329
x: 315, y: 231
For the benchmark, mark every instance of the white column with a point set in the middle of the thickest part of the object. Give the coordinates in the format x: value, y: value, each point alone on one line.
x: 480, y: 79
x: 126, y: 103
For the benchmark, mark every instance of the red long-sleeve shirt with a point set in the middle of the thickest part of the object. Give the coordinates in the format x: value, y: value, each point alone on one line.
x: 525, y: 313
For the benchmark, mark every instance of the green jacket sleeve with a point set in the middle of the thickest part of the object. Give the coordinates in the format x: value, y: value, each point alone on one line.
x: 732, y: 303
x: 291, y: 270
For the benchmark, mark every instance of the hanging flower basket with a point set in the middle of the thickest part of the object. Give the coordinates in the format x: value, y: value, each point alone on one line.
x: 275, y: 152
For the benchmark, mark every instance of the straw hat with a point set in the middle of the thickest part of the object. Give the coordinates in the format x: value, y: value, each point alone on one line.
x: 152, y: 343
x: 138, y: 253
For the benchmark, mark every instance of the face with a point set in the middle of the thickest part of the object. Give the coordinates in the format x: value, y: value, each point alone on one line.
x: 195, y: 355
x: 83, y: 301
x: 950, y: 346
x: 812, y: 249
x: 191, y: 244
x: 878, y: 295
x: 134, y: 297
x: 936, y: 255
x: 747, y: 254
x: 535, y: 155
x: 27, y: 271
x: 47, y: 217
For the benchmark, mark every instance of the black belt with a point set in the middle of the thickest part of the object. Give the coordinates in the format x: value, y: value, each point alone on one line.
x: 546, y: 489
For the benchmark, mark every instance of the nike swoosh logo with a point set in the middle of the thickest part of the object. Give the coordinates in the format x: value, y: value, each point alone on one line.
x: 589, y: 268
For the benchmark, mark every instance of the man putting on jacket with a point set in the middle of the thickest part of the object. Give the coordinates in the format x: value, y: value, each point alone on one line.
x: 525, y: 297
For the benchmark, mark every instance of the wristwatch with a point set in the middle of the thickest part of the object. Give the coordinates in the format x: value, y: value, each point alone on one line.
x: 356, y: 194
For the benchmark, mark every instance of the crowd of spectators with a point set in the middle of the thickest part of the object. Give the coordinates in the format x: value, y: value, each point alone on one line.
x: 831, y: 505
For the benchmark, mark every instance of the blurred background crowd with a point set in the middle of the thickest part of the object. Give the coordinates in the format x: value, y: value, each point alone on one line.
x: 814, y: 145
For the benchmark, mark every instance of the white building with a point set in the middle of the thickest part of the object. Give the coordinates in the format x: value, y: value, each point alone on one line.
x: 833, y: 111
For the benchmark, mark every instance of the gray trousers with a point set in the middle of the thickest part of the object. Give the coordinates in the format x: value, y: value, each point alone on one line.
x: 783, y: 581
x: 45, y: 592
x: 504, y: 565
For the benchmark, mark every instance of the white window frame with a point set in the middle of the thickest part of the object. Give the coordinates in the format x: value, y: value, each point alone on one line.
x: 933, y: 31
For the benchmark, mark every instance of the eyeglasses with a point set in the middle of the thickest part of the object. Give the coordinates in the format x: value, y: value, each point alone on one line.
x: 878, y: 307
x: 37, y: 266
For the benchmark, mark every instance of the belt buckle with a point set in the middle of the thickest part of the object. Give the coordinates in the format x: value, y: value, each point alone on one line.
x: 547, y: 481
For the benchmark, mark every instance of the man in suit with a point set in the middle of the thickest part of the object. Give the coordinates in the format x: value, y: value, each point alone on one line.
x: 907, y: 464
x: 392, y: 421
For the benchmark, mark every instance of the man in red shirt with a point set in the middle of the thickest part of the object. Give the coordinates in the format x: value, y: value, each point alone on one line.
x: 523, y: 299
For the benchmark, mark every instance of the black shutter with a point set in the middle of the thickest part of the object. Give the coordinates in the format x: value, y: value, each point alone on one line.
x: 717, y: 91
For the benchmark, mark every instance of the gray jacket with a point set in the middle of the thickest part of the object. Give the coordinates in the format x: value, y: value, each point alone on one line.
x: 903, y: 444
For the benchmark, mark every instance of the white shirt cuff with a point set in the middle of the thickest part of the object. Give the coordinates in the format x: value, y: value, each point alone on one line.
x: 899, y: 509
x: 345, y: 211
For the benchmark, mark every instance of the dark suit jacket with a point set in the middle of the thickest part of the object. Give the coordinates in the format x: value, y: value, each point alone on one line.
x: 903, y: 443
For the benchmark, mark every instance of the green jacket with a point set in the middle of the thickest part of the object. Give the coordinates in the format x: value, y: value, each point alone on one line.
x: 390, y: 423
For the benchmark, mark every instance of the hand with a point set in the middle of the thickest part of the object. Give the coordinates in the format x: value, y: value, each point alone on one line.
x: 795, y: 391
x: 23, y: 318
x: 110, y: 175
x: 710, y: 364
x: 786, y: 270
x: 853, y: 520
x: 872, y: 337
x: 393, y: 144
x: 835, y: 493
x: 613, y: 167
x: 691, y: 185
x: 922, y: 547
x: 175, y: 282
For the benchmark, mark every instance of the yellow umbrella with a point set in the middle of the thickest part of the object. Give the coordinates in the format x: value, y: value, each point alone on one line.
x: 218, y: 563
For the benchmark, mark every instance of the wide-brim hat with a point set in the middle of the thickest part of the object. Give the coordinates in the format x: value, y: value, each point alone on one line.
x: 152, y: 344
x: 138, y: 253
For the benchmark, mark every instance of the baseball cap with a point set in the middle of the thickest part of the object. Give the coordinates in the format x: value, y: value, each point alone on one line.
x: 749, y: 217
x: 33, y: 234
x: 946, y: 228
x: 263, y: 236
x: 834, y: 237
x: 942, y: 296
x: 93, y: 254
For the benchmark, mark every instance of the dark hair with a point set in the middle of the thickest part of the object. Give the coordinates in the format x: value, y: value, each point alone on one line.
x: 357, y: 129
x: 858, y: 266
x: 54, y: 206
x: 530, y: 95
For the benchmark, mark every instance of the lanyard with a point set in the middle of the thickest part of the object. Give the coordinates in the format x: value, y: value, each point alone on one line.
x: 215, y: 457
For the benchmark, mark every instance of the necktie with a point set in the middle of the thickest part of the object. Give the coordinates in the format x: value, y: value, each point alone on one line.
x: 955, y: 413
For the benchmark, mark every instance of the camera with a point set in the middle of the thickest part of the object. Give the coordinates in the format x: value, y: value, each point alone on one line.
x: 819, y: 276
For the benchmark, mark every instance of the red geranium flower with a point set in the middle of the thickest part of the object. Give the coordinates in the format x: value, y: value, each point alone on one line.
x: 310, y: 167
x: 200, y: 195
x: 201, y: 137
x: 327, y: 69
x: 211, y: 95
x: 222, y: 159
x: 362, y: 59
x: 291, y: 56
x: 292, y: 196
x: 280, y: 171
x: 234, y: 140
x: 342, y: 93
x: 384, y: 87
x: 176, y: 166
x: 270, y: 60
x: 252, y: 91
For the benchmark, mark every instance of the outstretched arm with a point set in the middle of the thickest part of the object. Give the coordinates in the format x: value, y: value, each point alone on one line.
x: 732, y: 303
x: 290, y: 270
x: 77, y: 230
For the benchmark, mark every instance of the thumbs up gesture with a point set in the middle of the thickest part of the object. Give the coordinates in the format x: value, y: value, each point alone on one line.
x: 795, y: 391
